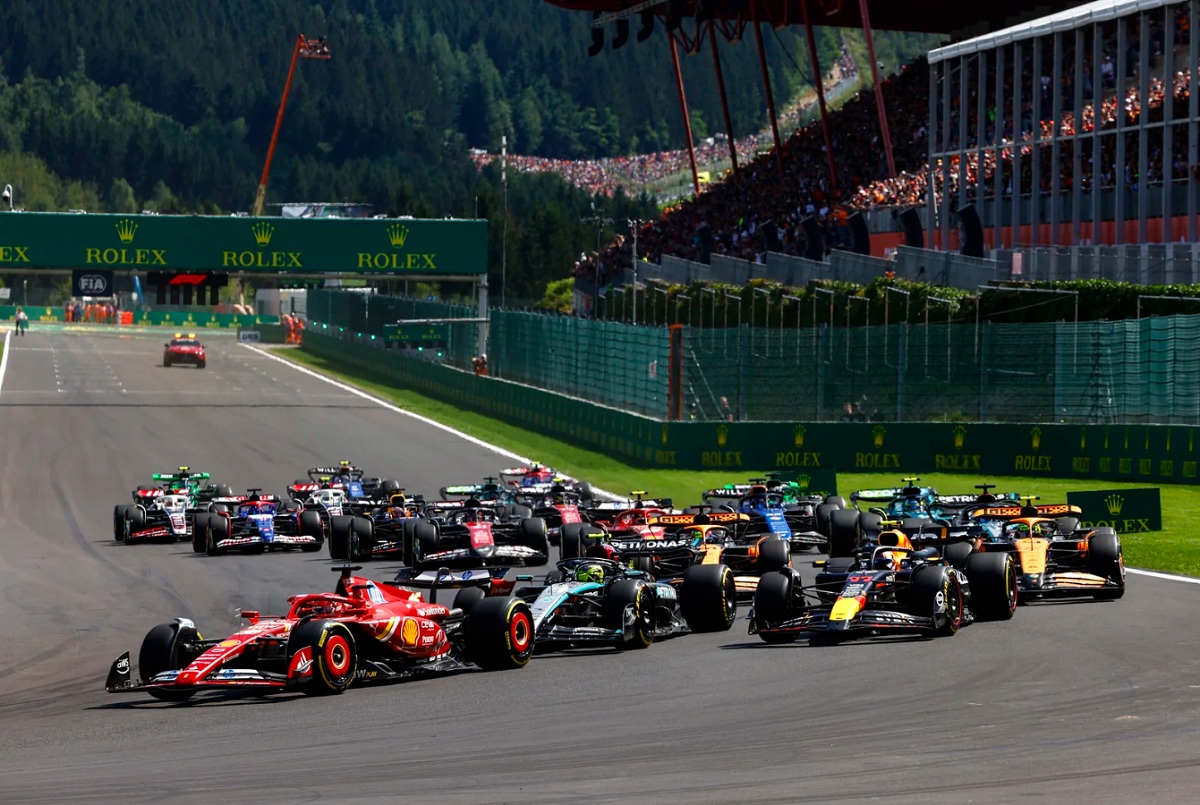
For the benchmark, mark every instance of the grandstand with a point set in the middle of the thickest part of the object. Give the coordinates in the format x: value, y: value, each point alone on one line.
x: 1075, y: 129
x: 1062, y: 152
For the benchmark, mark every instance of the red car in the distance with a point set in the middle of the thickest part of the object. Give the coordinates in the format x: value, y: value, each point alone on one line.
x: 184, y: 349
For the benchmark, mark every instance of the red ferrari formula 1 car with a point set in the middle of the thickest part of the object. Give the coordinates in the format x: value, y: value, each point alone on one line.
x: 364, y: 631
x: 184, y: 349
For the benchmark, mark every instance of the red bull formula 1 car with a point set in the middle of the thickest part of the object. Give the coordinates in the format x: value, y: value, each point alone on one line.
x: 890, y: 584
x: 365, y: 631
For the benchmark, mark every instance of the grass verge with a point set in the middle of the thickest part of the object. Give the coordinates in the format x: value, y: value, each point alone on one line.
x: 1169, y: 550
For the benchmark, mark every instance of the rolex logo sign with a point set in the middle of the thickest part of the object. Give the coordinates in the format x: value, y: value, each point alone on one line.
x: 877, y: 434
x: 1126, y: 511
x: 397, y: 235
x: 1035, y: 437
x: 722, y: 435
x: 262, y: 233
x: 798, y: 435
x: 960, y: 436
x: 126, y: 229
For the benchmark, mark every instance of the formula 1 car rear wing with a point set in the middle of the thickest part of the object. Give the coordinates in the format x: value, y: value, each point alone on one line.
x: 683, y: 520
x: 1013, y: 512
x: 727, y: 492
x: 445, y: 579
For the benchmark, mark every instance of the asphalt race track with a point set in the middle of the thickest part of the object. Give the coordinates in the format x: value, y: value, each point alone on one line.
x: 1072, y: 702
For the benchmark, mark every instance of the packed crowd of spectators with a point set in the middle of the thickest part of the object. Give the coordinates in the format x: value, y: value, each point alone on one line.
x: 735, y: 211
x: 649, y: 171
x: 739, y: 216
x: 1119, y: 102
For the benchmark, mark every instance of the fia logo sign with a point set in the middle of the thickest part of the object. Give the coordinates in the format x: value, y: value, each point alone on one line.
x: 93, y: 285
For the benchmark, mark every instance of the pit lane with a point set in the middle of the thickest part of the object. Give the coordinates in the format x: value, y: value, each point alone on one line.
x: 1069, y: 702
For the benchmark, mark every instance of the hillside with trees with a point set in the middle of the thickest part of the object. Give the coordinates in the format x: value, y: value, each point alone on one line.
x: 123, y: 106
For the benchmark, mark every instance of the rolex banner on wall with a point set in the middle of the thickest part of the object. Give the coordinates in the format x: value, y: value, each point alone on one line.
x: 1126, y: 511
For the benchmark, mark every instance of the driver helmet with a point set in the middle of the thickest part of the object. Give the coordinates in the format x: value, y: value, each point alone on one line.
x: 910, y: 506
x: 1021, y: 529
x: 885, y: 560
x: 590, y: 571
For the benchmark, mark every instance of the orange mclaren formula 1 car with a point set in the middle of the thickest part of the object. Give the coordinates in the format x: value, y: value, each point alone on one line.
x: 1054, y: 556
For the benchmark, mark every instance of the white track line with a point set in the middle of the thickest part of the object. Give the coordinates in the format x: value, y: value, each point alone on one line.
x: 1154, y: 574
x: 396, y: 409
x: 4, y: 360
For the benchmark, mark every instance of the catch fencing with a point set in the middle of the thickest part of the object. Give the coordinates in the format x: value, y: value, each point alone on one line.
x: 1136, y: 371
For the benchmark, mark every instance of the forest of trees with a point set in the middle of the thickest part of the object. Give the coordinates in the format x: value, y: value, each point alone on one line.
x: 123, y: 106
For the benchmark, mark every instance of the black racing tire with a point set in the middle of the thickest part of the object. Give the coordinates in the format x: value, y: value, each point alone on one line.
x: 958, y: 553
x: 843, y: 532
x: 163, y: 650
x: 1067, y: 525
x: 516, y: 510
x: 333, y: 652
x: 406, y: 541
x: 466, y: 598
x: 821, y: 518
x: 619, y: 596
x: 218, y: 529
x: 869, y: 523
x: 585, y: 492
x: 774, y: 553
x: 339, y: 536
x: 554, y: 577
x: 993, y: 580
x: 136, y: 515
x: 835, y: 500
x: 362, y: 538
x: 389, y: 485
x: 222, y: 491
x: 200, y: 365
x: 166, y: 362
x: 200, y: 528
x: 425, y: 539
x: 308, y: 523
x: 1106, y: 559
x: 773, y: 603
x: 930, y: 582
x: 499, y: 634
x: 708, y: 598
x: 570, y: 540
x: 533, y: 536
x: 119, y: 521
x: 218, y: 508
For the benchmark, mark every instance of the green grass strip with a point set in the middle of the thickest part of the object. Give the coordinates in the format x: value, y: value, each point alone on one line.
x: 1169, y: 550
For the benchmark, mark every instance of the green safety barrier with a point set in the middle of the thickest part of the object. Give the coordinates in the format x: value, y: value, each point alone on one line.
x: 282, y: 245
x: 1145, y: 453
x: 272, y: 333
x: 416, y: 333
x: 182, y: 320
